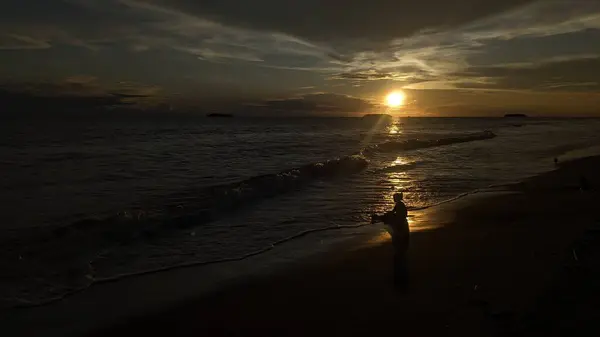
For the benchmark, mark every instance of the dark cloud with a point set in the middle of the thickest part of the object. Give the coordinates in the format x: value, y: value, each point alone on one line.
x: 243, y: 51
x: 368, y: 75
x: 568, y: 74
x: 400, y: 74
x: 20, y: 42
x: 70, y: 87
x: 319, y: 103
x: 16, y: 101
x: 327, y: 20
x: 77, y: 92
x: 40, y: 11
x: 83, y: 23
x: 534, y: 49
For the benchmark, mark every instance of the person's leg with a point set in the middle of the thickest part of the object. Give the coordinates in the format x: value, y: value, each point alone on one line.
x: 400, y: 269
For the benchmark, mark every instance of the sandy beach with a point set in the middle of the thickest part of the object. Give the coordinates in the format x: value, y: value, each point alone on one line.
x: 484, y: 272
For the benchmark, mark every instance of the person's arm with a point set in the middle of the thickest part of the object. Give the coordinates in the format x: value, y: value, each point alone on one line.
x: 380, y: 217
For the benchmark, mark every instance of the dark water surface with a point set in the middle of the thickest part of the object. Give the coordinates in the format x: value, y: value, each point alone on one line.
x: 95, y: 198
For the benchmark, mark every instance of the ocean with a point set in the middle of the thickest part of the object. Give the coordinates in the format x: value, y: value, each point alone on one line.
x: 95, y: 198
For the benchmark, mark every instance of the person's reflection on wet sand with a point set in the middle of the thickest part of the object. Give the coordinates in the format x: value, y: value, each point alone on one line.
x: 400, y: 232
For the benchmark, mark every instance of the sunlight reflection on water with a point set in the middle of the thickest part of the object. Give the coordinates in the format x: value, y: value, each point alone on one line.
x: 404, y: 182
x: 394, y: 129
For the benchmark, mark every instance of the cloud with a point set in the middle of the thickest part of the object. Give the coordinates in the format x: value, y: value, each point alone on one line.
x: 366, y: 75
x: 20, y: 42
x: 399, y: 75
x: 222, y: 56
x: 572, y: 86
x: 428, y: 44
x: 538, y: 19
x: 141, y: 95
x: 67, y: 22
x: 143, y: 26
x: 545, y: 61
x: 443, y: 59
x: 81, y: 79
x: 575, y: 73
x: 318, y: 20
x: 81, y: 91
x: 73, y: 86
x: 318, y: 103
x: 328, y: 33
x: 29, y: 101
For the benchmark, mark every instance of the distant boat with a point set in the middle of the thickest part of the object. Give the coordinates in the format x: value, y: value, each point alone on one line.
x: 515, y: 115
x: 219, y: 115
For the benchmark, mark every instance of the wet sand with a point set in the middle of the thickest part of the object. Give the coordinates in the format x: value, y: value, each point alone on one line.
x: 482, y: 274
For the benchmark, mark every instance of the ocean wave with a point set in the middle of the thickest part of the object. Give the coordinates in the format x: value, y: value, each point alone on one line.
x: 199, y: 206
x: 414, y: 144
x: 54, y: 260
x: 53, y: 295
x: 401, y: 167
x: 69, y: 155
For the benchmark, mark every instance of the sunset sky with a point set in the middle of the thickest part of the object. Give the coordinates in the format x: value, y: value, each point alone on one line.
x: 451, y: 58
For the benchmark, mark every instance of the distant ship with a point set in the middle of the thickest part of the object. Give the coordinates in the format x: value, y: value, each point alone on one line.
x: 515, y: 115
x: 219, y: 115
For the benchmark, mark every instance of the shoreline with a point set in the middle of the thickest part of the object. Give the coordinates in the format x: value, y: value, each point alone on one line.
x: 365, y: 267
x: 492, y: 189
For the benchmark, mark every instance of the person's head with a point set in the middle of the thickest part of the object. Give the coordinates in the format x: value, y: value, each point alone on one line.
x: 398, y: 197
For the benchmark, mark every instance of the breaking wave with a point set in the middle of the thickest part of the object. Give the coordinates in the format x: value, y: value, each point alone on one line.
x: 414, y: 144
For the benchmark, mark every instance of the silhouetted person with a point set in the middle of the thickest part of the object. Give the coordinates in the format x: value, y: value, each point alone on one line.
x: 555, y: 161
x: 400, y: 232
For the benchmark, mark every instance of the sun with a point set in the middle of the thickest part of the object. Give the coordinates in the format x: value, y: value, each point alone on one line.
x: 395, y: 99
